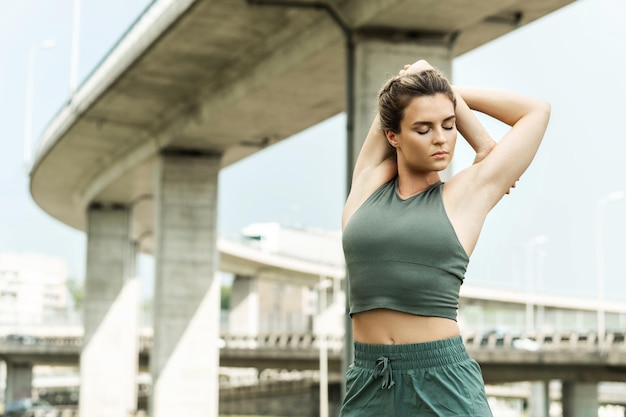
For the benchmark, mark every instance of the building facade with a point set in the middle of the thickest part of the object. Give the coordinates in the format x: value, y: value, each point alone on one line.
x: 33, y: 289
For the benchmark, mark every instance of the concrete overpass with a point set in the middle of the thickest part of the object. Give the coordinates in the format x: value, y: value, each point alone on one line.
x: 230, y: 77
x: 564, y: 356
x: 239, y: 258
x: 193, y: 86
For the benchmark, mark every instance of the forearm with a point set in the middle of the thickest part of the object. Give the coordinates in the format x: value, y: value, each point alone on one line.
x: 505, y: 106
x: 470, y: 127
x: 528, y: 118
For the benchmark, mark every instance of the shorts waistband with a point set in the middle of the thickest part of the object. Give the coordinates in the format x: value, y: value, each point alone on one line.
x: 413, y: 355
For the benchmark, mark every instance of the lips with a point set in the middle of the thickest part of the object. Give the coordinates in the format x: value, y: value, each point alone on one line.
x: 440, y: 154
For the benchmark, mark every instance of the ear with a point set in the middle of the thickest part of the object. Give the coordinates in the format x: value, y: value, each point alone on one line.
x: 392, y: 138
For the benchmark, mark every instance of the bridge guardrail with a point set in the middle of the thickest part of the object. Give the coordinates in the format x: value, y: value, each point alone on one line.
x: 546, y: 341
x: 309, y: 340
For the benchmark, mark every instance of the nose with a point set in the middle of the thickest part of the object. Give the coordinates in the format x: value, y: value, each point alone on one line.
x: 439, y: 137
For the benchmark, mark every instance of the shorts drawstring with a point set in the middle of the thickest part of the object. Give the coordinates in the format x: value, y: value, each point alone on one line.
x: 383, y: 368
x: 436, y: 378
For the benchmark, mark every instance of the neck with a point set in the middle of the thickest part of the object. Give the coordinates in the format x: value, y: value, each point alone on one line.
x: 411, y: 183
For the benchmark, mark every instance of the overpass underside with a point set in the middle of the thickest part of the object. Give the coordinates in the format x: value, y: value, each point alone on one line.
x: 133, y: 158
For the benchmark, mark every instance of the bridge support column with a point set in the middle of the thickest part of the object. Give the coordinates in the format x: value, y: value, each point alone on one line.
x: 19, y: 382
x: 579, y: 399
x: 539, y: 400
x: 375, y: 59
x: 244, y: 306
x: 185, y: 354
x: 109, y: 356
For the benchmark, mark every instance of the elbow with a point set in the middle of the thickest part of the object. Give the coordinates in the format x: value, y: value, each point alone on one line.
x: 545, y: 108
x: 542, y: 111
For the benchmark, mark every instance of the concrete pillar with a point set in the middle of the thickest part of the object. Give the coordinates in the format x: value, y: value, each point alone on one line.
x: 579, y: 399
x: 376, y: 59
x: 109, y: 356
x: 185, y: 355
x: 539, y: 399
x: 19, y: 382
x: 244, y: 306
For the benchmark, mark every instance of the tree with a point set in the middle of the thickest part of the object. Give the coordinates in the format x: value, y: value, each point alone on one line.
x: 77, y: 292
x: 225, y: 297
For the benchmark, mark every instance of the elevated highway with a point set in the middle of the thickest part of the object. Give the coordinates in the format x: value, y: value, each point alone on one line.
x: 228, y: 77
x: 242, y: 258
x: 508, y: 358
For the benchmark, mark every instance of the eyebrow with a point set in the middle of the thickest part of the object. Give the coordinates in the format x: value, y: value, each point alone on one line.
x: 431, y: 123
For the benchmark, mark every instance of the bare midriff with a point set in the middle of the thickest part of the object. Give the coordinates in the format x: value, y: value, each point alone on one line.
x: 390, y: 327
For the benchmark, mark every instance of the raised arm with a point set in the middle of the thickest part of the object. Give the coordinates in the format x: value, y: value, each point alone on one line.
x: 509, y: 159
x: 375, y: 153
x: 375, y: 165
x: 472, y: 130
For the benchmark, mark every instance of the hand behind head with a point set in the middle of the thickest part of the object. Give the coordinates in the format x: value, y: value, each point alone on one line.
x: 416, y: 67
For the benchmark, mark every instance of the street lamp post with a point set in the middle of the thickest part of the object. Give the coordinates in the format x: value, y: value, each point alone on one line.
x: 531, y: 272
x: 30, y: 98
x: 602, y: 203
x: 321, y: 287
x: 75, y: 48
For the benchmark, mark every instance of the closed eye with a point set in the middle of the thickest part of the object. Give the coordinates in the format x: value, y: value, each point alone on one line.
x: 423, y: 132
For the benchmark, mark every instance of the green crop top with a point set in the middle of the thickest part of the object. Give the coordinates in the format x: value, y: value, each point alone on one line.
x: 404, y: 255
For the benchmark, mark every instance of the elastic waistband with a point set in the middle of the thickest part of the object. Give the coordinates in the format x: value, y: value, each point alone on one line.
x: 411, y: 356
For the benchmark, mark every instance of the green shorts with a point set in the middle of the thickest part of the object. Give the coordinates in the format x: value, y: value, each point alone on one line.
x: 432, y: 379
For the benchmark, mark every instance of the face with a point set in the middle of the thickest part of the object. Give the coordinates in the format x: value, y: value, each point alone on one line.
x: 427, y: 134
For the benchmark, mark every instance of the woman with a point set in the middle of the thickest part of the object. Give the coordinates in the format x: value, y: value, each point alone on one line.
x: 408, y: 237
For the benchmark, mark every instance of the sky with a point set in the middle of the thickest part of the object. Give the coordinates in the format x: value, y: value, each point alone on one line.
x: 543, y: 236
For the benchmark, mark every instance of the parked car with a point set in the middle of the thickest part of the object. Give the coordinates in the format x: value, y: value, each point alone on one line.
x: 501, y: 338
x: 25, y: 339
x: 29, y: 407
